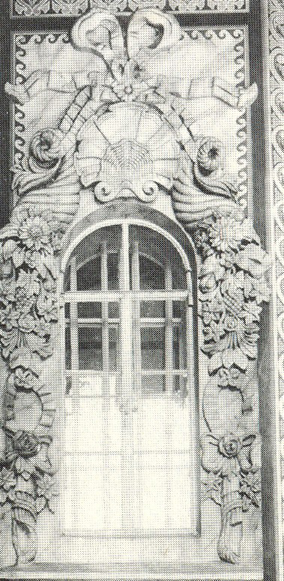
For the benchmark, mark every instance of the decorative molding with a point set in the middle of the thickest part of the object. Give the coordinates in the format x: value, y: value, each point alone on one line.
x: 36, y: 8
x: 276, y: 110
x: 100, y: 145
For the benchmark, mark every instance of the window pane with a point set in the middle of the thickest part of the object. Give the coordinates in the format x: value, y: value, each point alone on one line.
x: 153, y: 385
x: 90, y: 348
x: 67, y: 348
x: 89, y: 310
x: 113, y: 271
x: 152, y: 275
x: 113, y: 349
x: 152, y: 309
x: 89, y: 275
x: 113, y: 310
x: 153, y: 348
x: 176, y: 348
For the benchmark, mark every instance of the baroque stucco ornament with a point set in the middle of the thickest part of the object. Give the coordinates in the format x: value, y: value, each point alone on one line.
x: 127, y: 134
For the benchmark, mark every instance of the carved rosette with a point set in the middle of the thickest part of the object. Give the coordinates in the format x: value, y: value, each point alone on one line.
x: 100, y: 144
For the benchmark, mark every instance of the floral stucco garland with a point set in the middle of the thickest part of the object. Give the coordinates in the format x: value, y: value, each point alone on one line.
x: 233, y: 286
x: 29, y: 244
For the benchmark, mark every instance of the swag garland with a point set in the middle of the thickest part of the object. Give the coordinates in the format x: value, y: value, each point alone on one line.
x: 29, y: 244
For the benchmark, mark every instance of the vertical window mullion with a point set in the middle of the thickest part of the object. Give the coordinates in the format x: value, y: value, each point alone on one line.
x: 74, y: 335
x: 74, y: 339
x: 105, y: 387
x: 136, y: 321
x: 105, y: 330
x: 169, y: 332
x: 127, y: 458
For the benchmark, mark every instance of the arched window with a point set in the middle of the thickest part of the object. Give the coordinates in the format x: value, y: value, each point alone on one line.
x: 130, y: 429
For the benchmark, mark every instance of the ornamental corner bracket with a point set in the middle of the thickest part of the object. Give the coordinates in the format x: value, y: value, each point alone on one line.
x: 93, y: 148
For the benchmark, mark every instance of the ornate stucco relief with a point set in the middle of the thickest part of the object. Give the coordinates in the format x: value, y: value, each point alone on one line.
x: 88, y: 147
x: 78, y: 7
x: 221, y: 49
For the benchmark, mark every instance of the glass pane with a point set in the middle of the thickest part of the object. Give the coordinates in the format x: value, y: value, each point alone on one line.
x: 152, y: 309
x: 152, y: 275
x: 113, y: 271
x: 89, y: 275
x: 113, y: 348
x: 153, y: 348
x: 153, y: 385
x: 90, y: 348
x: 113, y: 310
x: 178, y: 309
x: 67, y: 310
x: 67, y: 348
x: 89, y: 310
x: 176, y: 348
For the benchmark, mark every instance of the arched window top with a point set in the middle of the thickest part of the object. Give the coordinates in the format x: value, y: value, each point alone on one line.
x: 154, y: 249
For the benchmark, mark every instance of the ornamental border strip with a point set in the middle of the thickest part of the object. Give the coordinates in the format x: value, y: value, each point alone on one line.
x: 276, y: 77
x: 63, y: 8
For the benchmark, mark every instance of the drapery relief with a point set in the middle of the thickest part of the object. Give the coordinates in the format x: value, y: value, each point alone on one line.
x: 132, y: 120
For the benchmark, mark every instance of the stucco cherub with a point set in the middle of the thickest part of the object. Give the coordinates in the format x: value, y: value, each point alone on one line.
x: 156, y: 48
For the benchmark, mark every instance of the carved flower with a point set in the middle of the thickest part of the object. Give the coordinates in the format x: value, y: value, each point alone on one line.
x: 27, y: 453
x: 26, y: 444
x: 227, y: 455
x: 24, y: 379
x: 209, y: 155
x: 46, y: 146
x: 128, y: 85
x: 228, y: 377
x: 42, y: 328
x: 35, y: 233
x: 230, y: 446
x: 26, y: 323
x: 226, y: 234
x: 7, y: 485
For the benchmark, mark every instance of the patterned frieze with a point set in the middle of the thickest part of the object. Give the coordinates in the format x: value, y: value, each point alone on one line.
x: 35, y: 8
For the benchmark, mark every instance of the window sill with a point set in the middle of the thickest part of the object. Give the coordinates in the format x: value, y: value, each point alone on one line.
x: 180, y: 571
